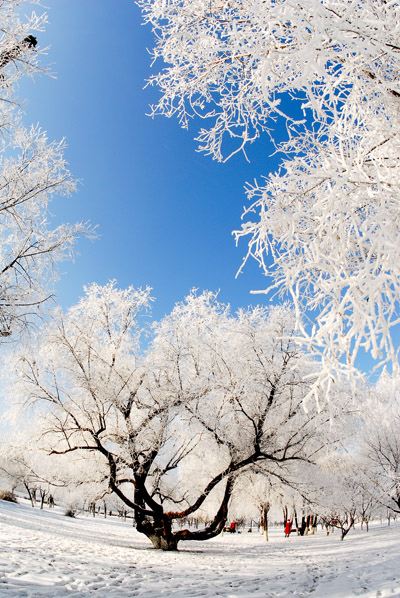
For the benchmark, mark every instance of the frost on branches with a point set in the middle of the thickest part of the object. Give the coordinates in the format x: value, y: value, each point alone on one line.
x: 32, y: 171
x: 215, y: 395
x: 380, y: 442
x: 325, y: 227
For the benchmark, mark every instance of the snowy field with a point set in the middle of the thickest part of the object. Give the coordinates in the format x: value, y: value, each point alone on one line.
x: 44, y: 553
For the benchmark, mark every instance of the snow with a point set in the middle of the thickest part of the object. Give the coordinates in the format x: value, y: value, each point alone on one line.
x: 45, y: 554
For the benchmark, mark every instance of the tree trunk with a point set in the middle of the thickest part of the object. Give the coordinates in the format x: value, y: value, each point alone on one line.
x: 31, y: 494
x: 296, y: 522
x: 43, y: 494
x: 303, y: 526
x: 285, y: 515
x: 265, y: 520
x: 164, y: 543
x: 153, y: 522
x: 158, y: 525
x: 344, y: 532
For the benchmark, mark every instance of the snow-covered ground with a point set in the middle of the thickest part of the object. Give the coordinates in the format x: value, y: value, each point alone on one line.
x: 44, y: 553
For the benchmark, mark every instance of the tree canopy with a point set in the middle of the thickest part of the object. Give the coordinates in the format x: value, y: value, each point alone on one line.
x: 325, y: 226
x: 173, y: 427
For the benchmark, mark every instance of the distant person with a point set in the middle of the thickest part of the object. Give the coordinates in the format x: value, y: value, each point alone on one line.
x: 287, y: 528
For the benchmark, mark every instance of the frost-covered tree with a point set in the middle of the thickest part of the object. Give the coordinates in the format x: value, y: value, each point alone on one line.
x: 32, y: 172
x: 325, y: 226
x: 339, y: 493
x: 26, y: 467
x: 215, y: 394
x: 256, y: 493
x: 380, y: 443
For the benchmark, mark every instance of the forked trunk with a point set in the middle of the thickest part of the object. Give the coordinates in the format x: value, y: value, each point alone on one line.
x: 161, y: 534
x: 157, y: 526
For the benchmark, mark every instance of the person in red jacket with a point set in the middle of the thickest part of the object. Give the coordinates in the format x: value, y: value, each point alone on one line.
x: 287, y: 528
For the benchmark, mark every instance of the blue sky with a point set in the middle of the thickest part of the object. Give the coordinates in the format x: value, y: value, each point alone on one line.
x: 165, y: 212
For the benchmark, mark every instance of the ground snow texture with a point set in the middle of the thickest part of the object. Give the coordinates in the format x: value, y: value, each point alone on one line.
x: 45, y: 554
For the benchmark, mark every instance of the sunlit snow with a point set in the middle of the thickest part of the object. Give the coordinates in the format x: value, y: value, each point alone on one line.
x: 45, y: 554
